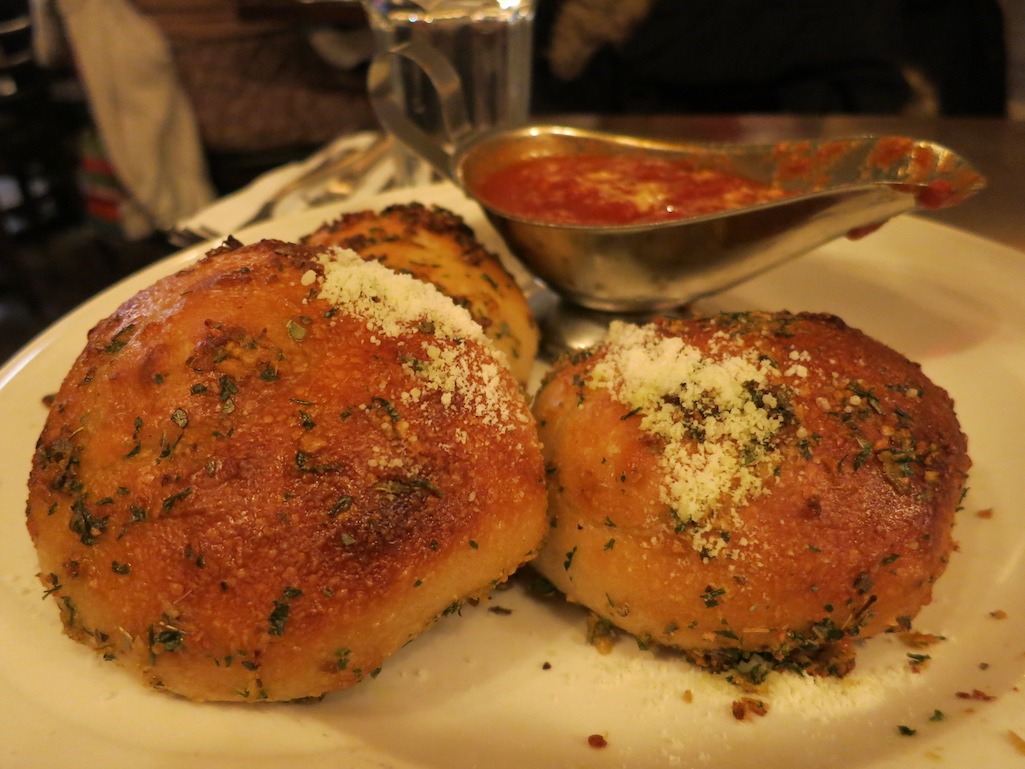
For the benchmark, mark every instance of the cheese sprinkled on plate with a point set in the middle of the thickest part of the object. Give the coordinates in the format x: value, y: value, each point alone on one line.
x: 717, y: 417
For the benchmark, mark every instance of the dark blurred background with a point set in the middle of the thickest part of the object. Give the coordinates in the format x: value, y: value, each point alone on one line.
x: 270, y: 80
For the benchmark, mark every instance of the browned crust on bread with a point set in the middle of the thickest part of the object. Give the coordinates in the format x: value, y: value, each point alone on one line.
x: 851, y: 534
x: 231, y: 496
x: 436, y: 246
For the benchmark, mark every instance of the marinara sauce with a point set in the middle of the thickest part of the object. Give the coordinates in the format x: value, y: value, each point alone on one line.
x: 616, y: 189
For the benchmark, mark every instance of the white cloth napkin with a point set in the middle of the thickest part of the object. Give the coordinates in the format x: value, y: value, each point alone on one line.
x: 228, y: 214
x: 143, y: 115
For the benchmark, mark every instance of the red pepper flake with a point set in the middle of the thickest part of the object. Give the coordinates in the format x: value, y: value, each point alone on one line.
x: 976, y: 694
x: 746, y: 706
x: 597, y: 741
x: 998, y: 614
x: 985, y: 514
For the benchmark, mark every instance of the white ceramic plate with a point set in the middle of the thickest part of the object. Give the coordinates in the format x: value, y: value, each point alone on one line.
x: 522, y: 689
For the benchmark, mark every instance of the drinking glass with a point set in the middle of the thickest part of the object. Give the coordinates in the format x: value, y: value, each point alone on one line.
x: 488, y: 42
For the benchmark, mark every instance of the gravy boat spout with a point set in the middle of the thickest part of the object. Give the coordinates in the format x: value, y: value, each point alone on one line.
x: 833, y: 188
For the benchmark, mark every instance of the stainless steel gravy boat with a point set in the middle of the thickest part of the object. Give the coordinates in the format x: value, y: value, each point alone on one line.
x: 837, y: 187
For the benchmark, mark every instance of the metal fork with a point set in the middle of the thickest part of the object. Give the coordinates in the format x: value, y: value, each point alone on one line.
x: 346, y: 169
x: 182, y: 237
x: 350, y: 167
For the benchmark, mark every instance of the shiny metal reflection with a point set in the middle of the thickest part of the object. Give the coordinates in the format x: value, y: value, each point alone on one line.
x: 851, y: 185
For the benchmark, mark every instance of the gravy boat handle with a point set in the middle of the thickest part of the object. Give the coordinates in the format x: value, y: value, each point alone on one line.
x: 385, y: 90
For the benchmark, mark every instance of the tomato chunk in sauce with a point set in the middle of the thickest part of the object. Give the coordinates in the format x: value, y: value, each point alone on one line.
x: 616, y: 189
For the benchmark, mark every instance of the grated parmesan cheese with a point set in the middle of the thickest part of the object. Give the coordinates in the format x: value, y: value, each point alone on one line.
x: 391, y: 302
x: 394, y: 304
x: 463, y: 383
x: 718, y: 437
